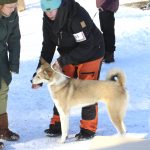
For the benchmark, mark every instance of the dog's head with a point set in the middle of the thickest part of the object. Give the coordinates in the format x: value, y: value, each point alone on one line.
x: 48, y: 73
x: 44, y: 74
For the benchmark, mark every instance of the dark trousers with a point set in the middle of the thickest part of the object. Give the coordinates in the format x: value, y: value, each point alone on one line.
x: 107, y: 22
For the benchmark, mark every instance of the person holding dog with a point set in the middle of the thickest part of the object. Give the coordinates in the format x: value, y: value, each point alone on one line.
x: 69, y: 27
x: 107, y: 8
x: 9, y: 60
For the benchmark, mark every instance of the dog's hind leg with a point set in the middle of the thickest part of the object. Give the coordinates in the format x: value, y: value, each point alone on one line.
x: 116, y: 116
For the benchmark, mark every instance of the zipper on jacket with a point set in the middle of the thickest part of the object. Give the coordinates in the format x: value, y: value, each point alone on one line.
x: 58, y: 41
x: 59, y: 37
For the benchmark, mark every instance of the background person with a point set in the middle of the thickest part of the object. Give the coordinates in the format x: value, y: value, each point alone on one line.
x: 107, y: 8
x: 1, y: 145
x: 9, y: 60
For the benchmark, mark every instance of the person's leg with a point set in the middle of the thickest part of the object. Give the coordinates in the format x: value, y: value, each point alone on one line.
x: 1, y: 145
x: 88, y: 124
x: 3, y: 97
x: 107, y: 23
x: 5, y: 133
x: 54, y: 129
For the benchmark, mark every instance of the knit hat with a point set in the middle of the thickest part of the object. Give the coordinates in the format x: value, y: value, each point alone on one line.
x: 2, y: 2
x: 49, y: 5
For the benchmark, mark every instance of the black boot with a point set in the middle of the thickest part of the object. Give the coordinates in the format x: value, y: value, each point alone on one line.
x: 84, y: 134
x: 54, y: 130
x: 1, y: 145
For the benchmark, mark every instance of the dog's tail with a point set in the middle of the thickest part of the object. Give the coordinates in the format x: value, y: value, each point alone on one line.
x: 116, y: 75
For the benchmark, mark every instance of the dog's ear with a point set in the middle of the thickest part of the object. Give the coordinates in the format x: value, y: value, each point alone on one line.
x: 42, y: 60
x: 44, y: 63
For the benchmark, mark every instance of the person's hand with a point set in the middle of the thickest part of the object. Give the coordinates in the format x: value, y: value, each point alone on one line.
x: 13, y: 72
x: 57, y: 66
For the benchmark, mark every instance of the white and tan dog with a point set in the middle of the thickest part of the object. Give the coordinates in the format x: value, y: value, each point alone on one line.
x: 67, y: 93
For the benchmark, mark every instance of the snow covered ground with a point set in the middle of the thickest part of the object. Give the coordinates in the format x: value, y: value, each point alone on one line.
x: 30, y: 110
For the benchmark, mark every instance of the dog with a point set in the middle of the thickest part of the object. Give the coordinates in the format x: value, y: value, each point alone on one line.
x: 68, y: 93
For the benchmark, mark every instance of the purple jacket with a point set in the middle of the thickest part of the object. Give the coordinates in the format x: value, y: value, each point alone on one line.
x: 111, y: 5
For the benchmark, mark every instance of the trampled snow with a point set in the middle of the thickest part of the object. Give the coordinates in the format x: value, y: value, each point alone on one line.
x: 30, y: 110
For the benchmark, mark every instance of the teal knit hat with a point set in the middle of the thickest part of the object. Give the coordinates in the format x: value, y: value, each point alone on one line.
x: 2, y: 2
x: 49, y: 5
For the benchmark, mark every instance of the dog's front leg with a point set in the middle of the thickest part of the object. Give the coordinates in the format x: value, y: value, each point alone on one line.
x: 64, y: 118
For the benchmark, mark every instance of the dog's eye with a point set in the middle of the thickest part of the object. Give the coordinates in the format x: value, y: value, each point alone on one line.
x: 38, y: 77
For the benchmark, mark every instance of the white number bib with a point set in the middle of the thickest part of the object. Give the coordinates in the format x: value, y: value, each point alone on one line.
x: 79, y: 37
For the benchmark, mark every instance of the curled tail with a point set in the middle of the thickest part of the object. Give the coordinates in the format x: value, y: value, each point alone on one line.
x: 116, y: 75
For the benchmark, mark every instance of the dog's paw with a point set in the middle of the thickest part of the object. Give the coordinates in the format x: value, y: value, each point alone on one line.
x: 63, y: 139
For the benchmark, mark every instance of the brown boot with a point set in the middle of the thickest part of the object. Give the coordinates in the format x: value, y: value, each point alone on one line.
x: 1, y: 145
x: 5, y: 133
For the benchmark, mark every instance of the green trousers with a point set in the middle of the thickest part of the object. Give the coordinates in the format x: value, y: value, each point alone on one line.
x: 3, y: 97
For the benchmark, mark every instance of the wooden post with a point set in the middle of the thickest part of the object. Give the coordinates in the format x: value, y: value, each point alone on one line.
x: 21, y: 5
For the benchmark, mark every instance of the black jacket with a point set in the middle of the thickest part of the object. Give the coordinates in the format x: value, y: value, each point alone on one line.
x: 9, y: 46
x: 71, y: 21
